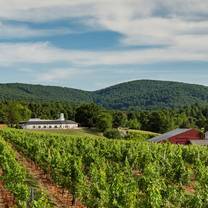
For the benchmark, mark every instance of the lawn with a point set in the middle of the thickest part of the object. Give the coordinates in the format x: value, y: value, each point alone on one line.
x: 139, y: 135
x: 84, y: 132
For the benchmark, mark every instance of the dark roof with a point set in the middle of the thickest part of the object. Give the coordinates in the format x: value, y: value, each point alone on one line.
x: 168, y: 135
x: 199, y: 142
x: 48, y: 122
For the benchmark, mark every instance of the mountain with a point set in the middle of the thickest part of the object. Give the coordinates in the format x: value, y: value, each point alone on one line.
x: 28, y: 92
x: 151, y: 94
x: 140, y: 94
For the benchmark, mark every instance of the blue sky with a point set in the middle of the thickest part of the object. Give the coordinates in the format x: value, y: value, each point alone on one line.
x: 91, y: 44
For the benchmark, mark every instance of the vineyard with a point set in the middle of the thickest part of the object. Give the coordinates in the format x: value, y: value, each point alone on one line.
x: 102, y: 173
x: 14, y: 179
x: 139, y: 135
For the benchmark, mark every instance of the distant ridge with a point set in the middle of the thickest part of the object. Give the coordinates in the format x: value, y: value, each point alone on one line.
x: 140, y: 94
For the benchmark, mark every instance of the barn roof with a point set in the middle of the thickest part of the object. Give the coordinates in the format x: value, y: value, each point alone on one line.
x: 168, y: 135
x: 199, y: 142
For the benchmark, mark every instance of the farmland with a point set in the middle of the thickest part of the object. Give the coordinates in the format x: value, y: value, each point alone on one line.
x: 110, y: 173
x: 15, y: 185
x: 137, y: 135
x: 81, y: 132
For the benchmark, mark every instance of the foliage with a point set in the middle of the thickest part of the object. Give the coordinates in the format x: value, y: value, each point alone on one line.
x: 87, y: 114
x: 34, y: 93
x: 15, y: 177
x: 112, y: 134
x: 119, y: 119
x: 139, y: 135
x: 91, y: 115
x: 81, y: 132
x: 13, y: 113
x: 150, y: 94
x: 119, y: 174
x: 104, y: 121
x: 134, y: 124
x: 137, y: 95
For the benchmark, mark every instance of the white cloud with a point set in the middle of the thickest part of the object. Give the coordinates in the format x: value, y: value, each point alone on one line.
x: 186, y: 48
x: 141, y: 22
x: 42, y: 11
x: 159, y: 31
x: 180, y: 25
x: 39, y: 10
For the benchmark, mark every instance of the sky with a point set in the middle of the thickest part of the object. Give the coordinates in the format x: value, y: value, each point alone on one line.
x: 92, y: 44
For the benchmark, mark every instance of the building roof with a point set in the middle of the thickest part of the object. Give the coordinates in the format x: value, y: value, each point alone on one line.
x: 53, y: 122
x: 199, y: 142
x: 168, y: 135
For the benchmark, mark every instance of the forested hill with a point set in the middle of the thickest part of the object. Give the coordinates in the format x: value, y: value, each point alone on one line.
x: 28, y: 92
x: 151, y: 94
x: 141, y: 94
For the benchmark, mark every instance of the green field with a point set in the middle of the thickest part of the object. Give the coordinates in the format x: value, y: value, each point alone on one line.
x: 138, y: 135
x: 143, y: 133
x: 119, y: 174
x: 81, y: 132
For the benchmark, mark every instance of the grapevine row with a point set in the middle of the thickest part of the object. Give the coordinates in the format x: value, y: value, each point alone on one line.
x: 15, y: 179
x: 104, y: 173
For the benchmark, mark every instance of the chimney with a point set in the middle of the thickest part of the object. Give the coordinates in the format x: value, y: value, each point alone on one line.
x: 62, y: 117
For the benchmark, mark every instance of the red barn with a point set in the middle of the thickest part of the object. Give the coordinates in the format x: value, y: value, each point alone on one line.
x: 178, y: 136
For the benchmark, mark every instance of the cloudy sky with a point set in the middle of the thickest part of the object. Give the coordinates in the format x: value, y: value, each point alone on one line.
x: 91, y: 44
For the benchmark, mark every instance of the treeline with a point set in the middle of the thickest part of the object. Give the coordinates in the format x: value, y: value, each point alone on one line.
x: 94, y: 116
x: 136, y: 95
x: 159, y: 121
x: 13, y: 112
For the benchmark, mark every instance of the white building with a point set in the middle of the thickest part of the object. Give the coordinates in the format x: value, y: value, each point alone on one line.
x: 206, y: 135
x: 60, y: 123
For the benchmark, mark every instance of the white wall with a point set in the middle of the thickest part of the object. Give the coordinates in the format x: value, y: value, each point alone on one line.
x: 52, y: 126
x: 206, y: 135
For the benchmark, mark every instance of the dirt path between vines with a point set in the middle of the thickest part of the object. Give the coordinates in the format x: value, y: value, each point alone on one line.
x: 61, y: 198
x: 6, y: 198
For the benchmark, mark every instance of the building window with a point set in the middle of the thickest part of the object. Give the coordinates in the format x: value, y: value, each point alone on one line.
x: 33, y: 127
x: 44, y: 127
x: 56, y: 127
x: 50, y: 127
x: 39, y: 127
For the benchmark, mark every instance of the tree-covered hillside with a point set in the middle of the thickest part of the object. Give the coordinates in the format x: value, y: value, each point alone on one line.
x: 151, y: 94
x: 141, y: 94
x: 27, y: 92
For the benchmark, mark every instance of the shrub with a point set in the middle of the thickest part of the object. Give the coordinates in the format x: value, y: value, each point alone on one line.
x: 113, y: 134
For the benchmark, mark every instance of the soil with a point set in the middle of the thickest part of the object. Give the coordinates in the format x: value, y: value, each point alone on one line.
x: 60, y: 198
x: 7, y: 200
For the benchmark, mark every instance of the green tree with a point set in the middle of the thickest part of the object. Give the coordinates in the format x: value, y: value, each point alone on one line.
x: 119, y: 119
x: 15, y: 112
x: 113, y: 134
x: 134, y: 124
x: 104, y: 121
x: 87, y: 114
x: 160, y: 122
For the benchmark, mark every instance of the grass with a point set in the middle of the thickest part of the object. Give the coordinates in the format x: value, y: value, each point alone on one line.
x: 83, y: 132
x: 136, y: 135
x: 143, y: 132
x: 139, y: 135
